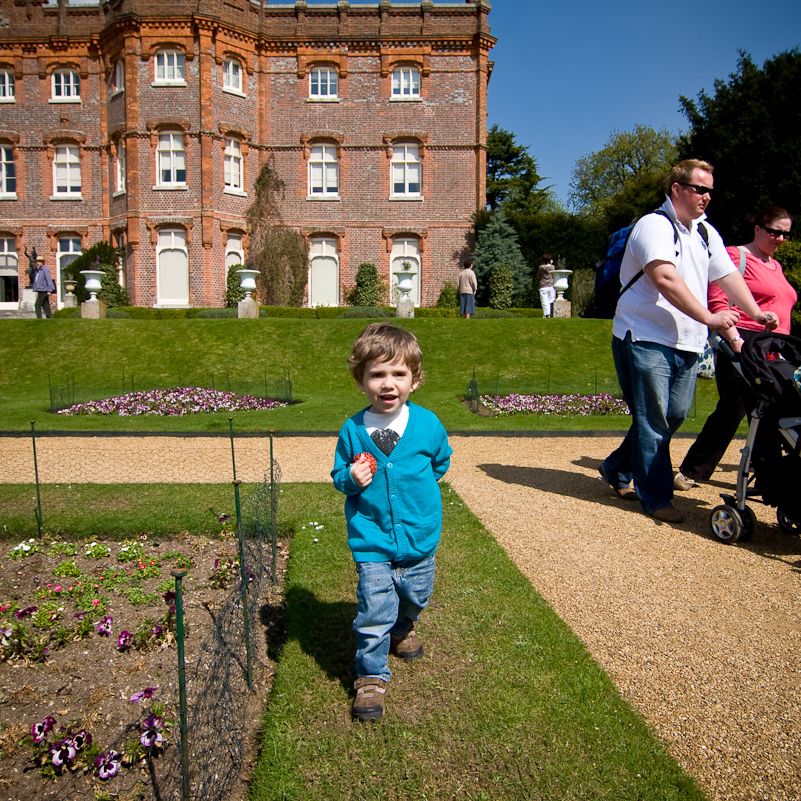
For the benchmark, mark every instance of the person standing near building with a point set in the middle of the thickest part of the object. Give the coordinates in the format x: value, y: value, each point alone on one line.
x: 466, y: 286
x: 545, y: 278
x: 42, y: 285
x: 660, y: 329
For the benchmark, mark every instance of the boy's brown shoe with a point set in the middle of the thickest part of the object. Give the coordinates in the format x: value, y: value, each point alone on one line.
x: 407, y: 647
x: 369, y: 703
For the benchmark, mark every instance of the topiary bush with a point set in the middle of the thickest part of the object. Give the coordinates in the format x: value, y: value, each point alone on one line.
x: 501, y: 287
x: 448, y: 296
x: 233, y: 289
x: 366, y: 290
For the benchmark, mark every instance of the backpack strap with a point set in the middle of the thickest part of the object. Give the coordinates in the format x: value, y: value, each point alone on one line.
x: 742, y: 264
x: 639, y: 275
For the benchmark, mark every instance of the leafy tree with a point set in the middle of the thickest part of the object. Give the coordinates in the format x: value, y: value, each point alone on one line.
x: 622, y: 180
x: 448, y: 296
x: 367, y: 291
x: 498, y: 244
x: 750, y: 130
x: 280, y: 254
x: 512, y: 176
x: 789, y: 256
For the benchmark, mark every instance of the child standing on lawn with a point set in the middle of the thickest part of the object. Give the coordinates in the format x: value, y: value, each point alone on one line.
x: 389, y: 458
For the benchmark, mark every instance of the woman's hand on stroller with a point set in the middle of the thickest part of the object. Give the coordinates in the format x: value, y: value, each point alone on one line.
x: 769, y: 319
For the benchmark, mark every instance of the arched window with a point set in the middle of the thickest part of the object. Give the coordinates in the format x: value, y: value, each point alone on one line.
x: 67, y: 171
x: 406, y: 83
x: 323, y: 272
x: 405, y: 257
x: 234, y: 253
x: 9, y: 274
x: 170, y: 160
x: 172, y: 267
x: 323, y: 83
x: 170, y: 68
x: 8, y: 172
x: 119, y: 77
x: 323, y: 172
x: 406, y: 171
x: 6, y: 86
x: 69, y: 248
x: 232, y: 76
x: 232, y: 166
x: 66, y: 86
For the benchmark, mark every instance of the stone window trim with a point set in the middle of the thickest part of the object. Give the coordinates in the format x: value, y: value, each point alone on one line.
x: 236, y: 227
x: 9, y: 138
x: 54, y: 64
x: 233, y: 130
x: 227, y: 52
x: 150, y: 49
x: 64, y: 136
x: 408, y: 137
x: 56, y: 232
x: 13, y: 66
x: 333, y: 232
x: 14, y: 232
x: 391, y: 234
x: 310, y: 138
x: 155, y: 224
x: 309, y: 57
x: 401, y: 57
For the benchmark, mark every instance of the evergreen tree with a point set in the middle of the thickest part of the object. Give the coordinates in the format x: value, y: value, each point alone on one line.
x: 498, y: 244
x: 233, y: 286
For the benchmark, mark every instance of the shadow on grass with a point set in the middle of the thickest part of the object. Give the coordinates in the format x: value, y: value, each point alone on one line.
x: 324, y: 631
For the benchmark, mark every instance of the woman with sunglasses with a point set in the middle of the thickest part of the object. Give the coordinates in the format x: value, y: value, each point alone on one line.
x: 772, y: 292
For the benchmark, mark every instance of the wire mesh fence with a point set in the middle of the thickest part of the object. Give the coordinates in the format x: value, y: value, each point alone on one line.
x: 544, y: 382
x: 70, y: 389
x: 217, y: 689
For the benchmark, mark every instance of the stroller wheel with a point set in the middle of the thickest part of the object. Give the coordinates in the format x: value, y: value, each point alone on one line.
x: 749, y: 524
x: 727, y: 525
x: 788, y: 524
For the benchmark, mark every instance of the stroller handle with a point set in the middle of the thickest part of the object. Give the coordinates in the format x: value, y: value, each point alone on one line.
x: 722, y: 345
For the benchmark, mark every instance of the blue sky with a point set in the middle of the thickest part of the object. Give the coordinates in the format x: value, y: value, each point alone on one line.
x: 567, y: 74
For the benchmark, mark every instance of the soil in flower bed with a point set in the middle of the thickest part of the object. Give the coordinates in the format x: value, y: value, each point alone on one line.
x: 87, y: 682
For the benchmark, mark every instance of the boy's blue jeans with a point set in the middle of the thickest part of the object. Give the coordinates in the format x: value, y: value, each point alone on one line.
x: 390, y: 597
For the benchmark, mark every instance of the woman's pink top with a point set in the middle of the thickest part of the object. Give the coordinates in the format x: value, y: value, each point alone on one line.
x: 771, y: 290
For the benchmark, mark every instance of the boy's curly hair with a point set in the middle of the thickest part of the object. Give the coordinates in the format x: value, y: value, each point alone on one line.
x: 386, y: 343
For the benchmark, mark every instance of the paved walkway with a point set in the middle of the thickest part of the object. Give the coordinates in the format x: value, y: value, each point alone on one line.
x: 703, y: 638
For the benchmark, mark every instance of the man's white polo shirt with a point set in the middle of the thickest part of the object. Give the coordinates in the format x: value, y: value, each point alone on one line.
x: 642, y: 309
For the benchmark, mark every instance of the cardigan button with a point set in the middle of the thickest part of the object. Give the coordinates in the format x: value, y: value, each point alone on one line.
x: 389, y: 465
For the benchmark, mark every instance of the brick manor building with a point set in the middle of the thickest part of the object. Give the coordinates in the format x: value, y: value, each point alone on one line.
x: 146, y: 123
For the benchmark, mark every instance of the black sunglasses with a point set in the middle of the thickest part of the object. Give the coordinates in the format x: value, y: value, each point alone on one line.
x: 698, y: 189
x: 776, y: 232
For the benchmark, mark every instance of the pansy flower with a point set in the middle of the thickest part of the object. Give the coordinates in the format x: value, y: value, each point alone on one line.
x: 151, y: 731
x: 157, y: 630
x: 169, y: 596
x: 223, y: 518
x: 41, y: 729
x: 124, y: 640
x: 145, y: 694
x: 82, y: 739
x: 63, y: 752
x: 104, y: 626
x: 108, y: 765
x: 23, y: 613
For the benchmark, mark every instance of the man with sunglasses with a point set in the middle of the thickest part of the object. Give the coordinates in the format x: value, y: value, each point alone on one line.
x: 660, y: 329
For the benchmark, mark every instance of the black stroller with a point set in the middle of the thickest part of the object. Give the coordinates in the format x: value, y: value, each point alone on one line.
x: 769, y: 473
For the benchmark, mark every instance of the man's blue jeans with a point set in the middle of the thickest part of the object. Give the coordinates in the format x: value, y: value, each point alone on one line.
x: 658, y: 383
x: 390, y: 597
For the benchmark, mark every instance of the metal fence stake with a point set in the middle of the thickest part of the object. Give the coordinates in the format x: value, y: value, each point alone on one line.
x: 274, y: 533
x: 231, y: 433
x: 243, y: 574
x: 36, y: 475
x: 179, y: 624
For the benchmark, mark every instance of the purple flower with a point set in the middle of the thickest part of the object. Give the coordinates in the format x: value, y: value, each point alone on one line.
x: 63, y: 752
x: 104, y: 626
x: 169, y: 596
x: 82, y: 739
x: 41, y: 729
x: 124, y: 640
x: 23, y: 613
x: 151, y: 731
x: 157, y: 630
x: 80, y: 615
x: 108, y: 765
x: 145, y: 694
x: 223, y: 518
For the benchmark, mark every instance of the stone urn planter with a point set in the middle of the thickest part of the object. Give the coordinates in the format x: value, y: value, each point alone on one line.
x: 247, y: 281
x: 93, y: 285
x: 248, y: 309
x: 560, y: 282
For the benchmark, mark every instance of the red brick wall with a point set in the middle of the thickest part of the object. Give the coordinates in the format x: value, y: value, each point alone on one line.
x: 276, y: 45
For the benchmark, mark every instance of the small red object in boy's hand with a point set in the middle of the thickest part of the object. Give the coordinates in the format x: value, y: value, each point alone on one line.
x: 370, y: 460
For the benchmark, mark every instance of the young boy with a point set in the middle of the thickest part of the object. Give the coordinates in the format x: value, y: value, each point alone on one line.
x: 389, y: 458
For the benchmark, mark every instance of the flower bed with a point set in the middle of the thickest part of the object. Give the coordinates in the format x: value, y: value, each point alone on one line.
x: 554, y: 404
x: 173, y: 402
x: 87, y: 637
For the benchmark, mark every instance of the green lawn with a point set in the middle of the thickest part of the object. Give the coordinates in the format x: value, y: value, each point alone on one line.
x: 506, y: 704
x: 100, y: 357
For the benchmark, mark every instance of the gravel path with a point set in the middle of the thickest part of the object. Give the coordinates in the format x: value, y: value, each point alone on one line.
x: 703, y: 638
